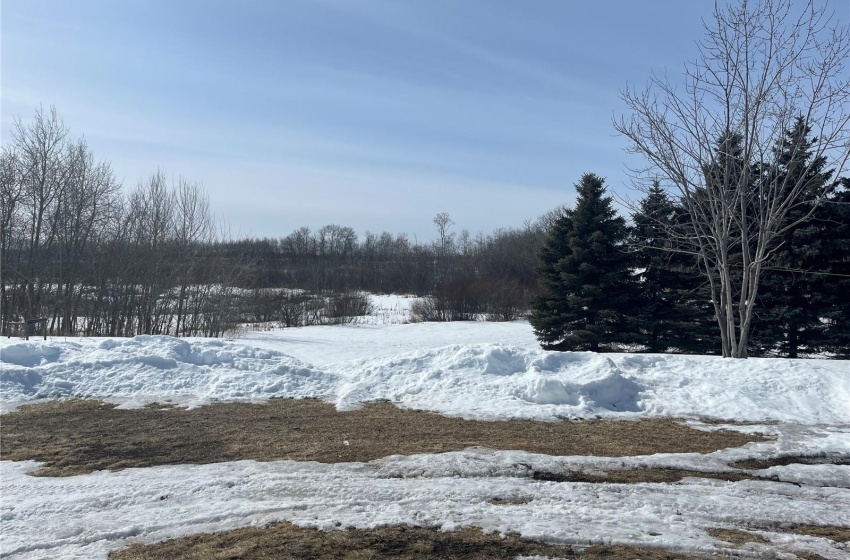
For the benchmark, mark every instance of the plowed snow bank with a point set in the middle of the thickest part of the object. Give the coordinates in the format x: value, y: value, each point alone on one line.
x: 469, y: 378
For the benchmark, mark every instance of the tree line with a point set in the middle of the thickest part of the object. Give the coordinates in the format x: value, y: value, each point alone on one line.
x: 464, y: 276
x: 460, y: 277
x: 95, y: 260
x: 98, y: 261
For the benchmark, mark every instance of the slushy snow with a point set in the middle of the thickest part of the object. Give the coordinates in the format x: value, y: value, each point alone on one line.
x: 472, y: 370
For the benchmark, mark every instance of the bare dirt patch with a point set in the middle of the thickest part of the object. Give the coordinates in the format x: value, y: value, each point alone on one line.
x: 757, y: 464
x: 284, y: 541
x: 80, y: 436
x: 641, y: 475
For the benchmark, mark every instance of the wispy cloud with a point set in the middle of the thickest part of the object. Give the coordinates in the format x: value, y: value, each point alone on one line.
x: 375, y: 114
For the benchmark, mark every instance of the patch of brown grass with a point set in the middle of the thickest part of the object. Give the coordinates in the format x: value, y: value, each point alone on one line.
x: 508, y: 501
x: 284, y: 541
x: 736, y: 536
x: 80, y: 436
x: 831, y: 532
x: 740, y: 537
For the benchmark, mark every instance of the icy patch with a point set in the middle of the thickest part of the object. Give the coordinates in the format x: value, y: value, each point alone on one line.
x: 111, y: 510
x: 836, y: 476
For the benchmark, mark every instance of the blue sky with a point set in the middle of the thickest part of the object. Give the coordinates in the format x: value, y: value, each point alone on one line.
x: 373, y: 114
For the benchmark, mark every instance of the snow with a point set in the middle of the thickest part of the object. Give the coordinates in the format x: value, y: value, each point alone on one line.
x: 86, y: 516
x: 473, y: 370
x: 491, y: 371
x: 153, y: 368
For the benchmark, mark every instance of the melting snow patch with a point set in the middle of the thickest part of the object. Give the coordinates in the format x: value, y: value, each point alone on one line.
x: 451, y: 490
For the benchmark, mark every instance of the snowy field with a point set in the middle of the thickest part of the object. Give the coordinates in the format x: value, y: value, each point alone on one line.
x: 489, y: 371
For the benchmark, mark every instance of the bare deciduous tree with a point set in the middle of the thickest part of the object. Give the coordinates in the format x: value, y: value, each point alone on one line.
x: 41, y: 148
x: 762, y: 64
x: 11, y: 189
x: 82, y: 209
x: 150, y: 222
x: 445, y: 245
x: 194, y: 229
x: 443, y: 222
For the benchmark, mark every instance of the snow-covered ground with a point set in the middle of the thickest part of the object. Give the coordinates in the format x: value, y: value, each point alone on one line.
x: 475, y: 370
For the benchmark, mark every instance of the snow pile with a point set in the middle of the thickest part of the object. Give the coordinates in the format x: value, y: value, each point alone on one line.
x: 495, y: 381
x: 491, y: 381
x: 154, y: 368
x: 805, y: 391
x: 416, y: 366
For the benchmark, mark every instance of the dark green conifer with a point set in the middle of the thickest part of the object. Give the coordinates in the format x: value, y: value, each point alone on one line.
x: 834, y: 259
x: 675, y: 311
x: 793, y: 293
x: 586, y: 274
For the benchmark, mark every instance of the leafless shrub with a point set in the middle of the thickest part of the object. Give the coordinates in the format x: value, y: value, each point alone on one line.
x: 347, y: 307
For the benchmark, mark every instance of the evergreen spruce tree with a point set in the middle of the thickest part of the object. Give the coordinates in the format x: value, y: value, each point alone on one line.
x: 835, y: 260
x: 793, y: 295
x: 675, y: 310
x: 586, y: 274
